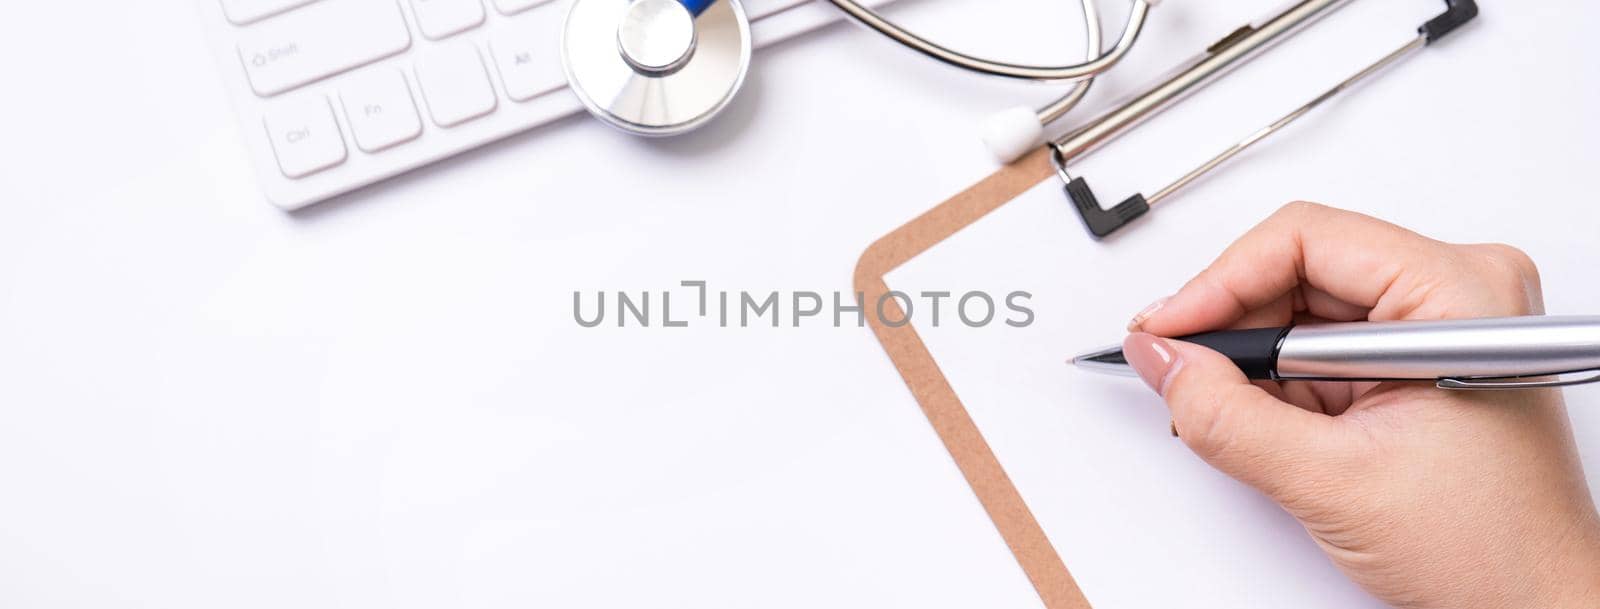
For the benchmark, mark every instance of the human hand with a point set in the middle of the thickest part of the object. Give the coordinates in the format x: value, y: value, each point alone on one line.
x: 1425, y: 497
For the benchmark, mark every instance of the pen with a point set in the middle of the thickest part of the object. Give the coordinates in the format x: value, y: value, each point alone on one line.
x: 1489, y: 353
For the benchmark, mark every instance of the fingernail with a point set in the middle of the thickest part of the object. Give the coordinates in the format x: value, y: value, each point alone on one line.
x: 1145, y: 314
x: 1153, y: 358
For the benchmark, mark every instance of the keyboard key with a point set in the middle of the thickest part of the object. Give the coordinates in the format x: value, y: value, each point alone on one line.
x: 512, y: 7
x: 304, y: 136
x: 242, y: 12
x: 320, y: 40
x: 443, y: 18
x: 528, y: 54
x: 380, y: 110
x: 455, y: 84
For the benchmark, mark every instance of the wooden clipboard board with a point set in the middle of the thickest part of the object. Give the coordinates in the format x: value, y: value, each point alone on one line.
x: 978, y: 464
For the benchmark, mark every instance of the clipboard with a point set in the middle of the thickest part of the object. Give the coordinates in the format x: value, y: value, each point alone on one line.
x: 956, y: 427
x: 909, y: 353
x: 910, y: 356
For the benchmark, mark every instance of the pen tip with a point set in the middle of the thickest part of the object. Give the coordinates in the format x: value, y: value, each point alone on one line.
x: 1109, y: 360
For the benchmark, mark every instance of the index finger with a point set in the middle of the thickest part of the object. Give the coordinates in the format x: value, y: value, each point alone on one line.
x: 1354, y: 258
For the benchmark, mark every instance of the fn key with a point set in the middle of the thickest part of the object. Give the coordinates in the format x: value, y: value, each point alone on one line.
x: 304, y: 136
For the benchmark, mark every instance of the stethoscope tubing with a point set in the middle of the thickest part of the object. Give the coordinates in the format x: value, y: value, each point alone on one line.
x: 1092, y: 33
x: 1075, y: 72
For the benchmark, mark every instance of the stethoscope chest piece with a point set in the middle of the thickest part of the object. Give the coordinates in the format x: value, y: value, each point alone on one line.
x: 656, y: 67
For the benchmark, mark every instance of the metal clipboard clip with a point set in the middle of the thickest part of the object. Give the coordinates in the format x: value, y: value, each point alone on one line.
x: 1238, y: 47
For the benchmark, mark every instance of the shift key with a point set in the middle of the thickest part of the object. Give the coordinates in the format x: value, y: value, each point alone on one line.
x: 320, y: 40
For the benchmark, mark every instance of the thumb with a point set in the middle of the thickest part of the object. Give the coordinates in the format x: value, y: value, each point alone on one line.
x: 1234, y: 425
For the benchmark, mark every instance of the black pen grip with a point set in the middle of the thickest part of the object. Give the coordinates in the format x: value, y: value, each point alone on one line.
x: 1254, y: 351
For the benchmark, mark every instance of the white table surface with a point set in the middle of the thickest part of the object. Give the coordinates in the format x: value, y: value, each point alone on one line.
x: 384, y: 401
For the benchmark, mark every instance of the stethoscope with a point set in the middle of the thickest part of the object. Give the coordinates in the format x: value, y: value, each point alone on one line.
x: 666, y: 67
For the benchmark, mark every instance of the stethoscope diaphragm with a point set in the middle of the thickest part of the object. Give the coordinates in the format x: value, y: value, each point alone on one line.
x: 656, y: 67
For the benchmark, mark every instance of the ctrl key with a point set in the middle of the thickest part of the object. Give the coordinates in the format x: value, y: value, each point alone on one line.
x: 305, y: 137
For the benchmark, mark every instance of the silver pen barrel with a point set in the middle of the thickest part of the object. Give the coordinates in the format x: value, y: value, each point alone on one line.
x: 1427, y: 350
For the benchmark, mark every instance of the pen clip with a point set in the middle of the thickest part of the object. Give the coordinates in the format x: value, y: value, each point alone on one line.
x: 1521, y: 382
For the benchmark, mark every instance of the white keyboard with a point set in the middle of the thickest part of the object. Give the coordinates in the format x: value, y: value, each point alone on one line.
x: 333, y: 95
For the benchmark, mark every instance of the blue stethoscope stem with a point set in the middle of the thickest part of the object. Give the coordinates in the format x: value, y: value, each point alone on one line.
x: 696, y: 6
